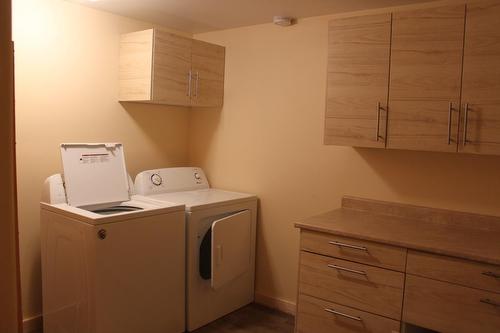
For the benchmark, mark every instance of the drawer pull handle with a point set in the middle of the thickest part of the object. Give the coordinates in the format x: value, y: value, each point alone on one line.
x: 492, y: 274
x: 355, y: 247
x: 340, y: 268
x: 490, y: 302
x: 342, y: 314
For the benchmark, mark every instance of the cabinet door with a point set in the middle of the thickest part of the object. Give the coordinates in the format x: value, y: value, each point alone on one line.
x: 135, y: 66
x: 208, y: 61
x: 358, y: 79
x: 480, y: 130
x: 426, y: 69
x: 171, y: 69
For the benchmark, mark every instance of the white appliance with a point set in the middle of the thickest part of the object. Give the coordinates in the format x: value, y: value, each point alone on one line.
x: 111, y: 262
x: 221, y: 228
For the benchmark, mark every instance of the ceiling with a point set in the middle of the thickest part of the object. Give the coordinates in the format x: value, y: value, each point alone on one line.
x: 195, y: 16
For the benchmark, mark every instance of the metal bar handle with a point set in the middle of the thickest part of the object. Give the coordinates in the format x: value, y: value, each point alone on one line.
x: 466, y: 120
x: 377, y: 133
x: 189, y: 83
x: 355, y: 247
x: 196, y: 84
x: 340, y: 268
x: 490, y: 302
x: 450, y: 111
x: 335, y: 312
x: 492, y: 274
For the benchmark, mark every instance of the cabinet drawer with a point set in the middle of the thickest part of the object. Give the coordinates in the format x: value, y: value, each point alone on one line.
x: 318, y: 316
x: 450, y: 308
x: 369, y: 253
x: 363, y: 287
x: 454, y: 270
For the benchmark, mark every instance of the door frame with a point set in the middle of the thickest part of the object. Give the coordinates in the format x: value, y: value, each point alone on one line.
x: 10, y: 286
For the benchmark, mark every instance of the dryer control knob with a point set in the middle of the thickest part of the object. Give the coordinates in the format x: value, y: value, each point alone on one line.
x: 156, y: 179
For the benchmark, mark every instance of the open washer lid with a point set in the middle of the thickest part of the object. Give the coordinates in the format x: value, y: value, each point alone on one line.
x: 94, y: 174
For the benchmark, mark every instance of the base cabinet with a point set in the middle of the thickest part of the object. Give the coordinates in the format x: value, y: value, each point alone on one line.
x: 433, y: 292
x: 450, y: 308
x: 319, y: 316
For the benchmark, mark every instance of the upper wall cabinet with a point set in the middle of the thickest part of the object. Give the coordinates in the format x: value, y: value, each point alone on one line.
x: 444, y: 79
x: 164, y: 68
x: 426, y: 71
x: 358, y: 79
x: 480, y: 129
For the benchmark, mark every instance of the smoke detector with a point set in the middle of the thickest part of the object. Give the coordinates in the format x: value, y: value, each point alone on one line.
x: 283, y: 21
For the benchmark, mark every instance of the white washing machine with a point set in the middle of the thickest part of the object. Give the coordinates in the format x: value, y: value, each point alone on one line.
x: 221, y: 229
x: 111, y: 262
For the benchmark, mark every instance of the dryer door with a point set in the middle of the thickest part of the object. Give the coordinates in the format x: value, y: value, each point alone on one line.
x: 231, y: 238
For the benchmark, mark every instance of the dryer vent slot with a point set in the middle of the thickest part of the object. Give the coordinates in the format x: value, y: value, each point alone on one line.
x: 206, y: 256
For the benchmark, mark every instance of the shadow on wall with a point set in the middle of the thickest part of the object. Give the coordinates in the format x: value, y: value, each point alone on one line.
x: 165, y: 129
x: 205, y: 122
x: 445, y: 180
x: 262, y: 250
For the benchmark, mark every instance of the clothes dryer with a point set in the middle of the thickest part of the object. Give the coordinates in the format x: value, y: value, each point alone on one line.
x: 221, y: 228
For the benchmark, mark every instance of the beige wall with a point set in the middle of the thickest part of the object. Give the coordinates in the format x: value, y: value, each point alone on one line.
x: 66, y: 81
x: 9, y: 287
x: 268, y: 140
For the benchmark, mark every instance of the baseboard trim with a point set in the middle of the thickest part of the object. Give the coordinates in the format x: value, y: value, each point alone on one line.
x: 276, y: 303
x: 33, y: 324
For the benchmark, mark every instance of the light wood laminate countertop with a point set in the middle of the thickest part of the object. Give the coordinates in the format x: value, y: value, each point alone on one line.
x: 458, y: 234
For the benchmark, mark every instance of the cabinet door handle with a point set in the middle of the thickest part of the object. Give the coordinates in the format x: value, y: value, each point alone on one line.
x: 466, y: 120
x: 377, y: 133
x: 196, y: 84
x: 492, y: 274
x: 450, y: 111
x: 335, y: 312
x: 355, y: 247
x: 340, y: 268
x: 490, y: 302
x: 189, y: 84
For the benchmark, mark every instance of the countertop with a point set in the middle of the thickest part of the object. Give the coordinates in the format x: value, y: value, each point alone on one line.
x: 475, y: 240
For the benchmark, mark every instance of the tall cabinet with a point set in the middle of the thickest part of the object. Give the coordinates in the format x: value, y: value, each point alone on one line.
x: 426, y: 71
x: 480, y: 130
x: 163, y: 68
x: 443, y: 89
x: 358, y: 78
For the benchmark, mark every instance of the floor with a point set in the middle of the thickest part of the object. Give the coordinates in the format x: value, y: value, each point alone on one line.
x: 251, y: 319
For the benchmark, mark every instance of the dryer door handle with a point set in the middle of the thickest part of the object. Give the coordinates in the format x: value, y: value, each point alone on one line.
x: 219, y: 256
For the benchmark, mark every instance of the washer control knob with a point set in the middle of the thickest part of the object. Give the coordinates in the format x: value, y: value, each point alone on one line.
x: 197, y: 176
x: 156, y: 179
x: 102, y: 234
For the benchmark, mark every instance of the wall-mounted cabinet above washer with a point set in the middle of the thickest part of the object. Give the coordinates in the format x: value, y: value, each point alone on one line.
x: 163, y: 68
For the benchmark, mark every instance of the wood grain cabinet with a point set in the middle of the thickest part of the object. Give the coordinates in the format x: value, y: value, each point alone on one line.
x: 378, y: 267
x: 444, y: 69
x: 446, y: 294
x: 426, y: 71
x: 358, y: 78
x: 163, y: 68
x: 480, y: 130
x: 348, y: 295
